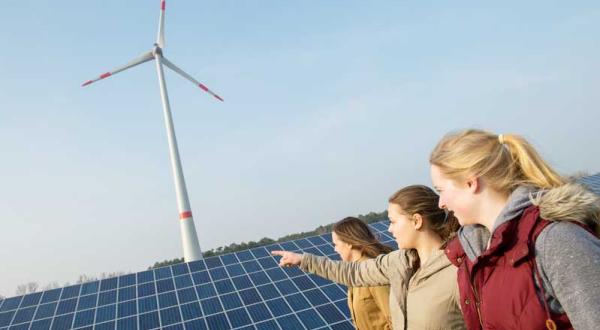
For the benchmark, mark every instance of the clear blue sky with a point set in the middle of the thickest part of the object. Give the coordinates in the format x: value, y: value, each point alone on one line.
x: 330, y: 106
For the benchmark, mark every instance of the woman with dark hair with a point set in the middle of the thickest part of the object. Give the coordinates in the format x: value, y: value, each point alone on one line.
x: 423, y: 291
x: 354, y: 241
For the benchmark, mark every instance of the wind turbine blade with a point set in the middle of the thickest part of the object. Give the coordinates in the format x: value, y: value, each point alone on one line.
x: 190, y: 78
x: 139, y: 60
x: 160, y: 38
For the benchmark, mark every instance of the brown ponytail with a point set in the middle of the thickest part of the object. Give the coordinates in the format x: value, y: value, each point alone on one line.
x: 422, y: 200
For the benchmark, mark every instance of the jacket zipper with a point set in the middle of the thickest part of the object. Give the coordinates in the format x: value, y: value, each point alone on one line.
x: 477, y: 305
x: 476, y: 294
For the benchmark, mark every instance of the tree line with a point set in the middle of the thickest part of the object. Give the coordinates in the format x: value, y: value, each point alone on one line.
x: 234, y: 247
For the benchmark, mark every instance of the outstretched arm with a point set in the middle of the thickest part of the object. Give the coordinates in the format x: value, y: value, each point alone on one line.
x: 371, y: 272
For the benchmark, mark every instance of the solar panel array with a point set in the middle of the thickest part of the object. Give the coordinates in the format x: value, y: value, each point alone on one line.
x: 242, y: 290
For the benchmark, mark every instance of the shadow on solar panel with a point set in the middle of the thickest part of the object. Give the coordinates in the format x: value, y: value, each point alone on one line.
x: 241, y: 290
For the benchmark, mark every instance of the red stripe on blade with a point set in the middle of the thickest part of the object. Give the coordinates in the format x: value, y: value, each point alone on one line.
x: 87, y: 83
x: 185, y: 215
x: 218, y: 97
x: 162, y: 5
x: 105, y: 75
x: 203, y: 87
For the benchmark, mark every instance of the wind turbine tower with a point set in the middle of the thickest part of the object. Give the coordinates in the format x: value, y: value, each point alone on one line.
x: 189, y: 238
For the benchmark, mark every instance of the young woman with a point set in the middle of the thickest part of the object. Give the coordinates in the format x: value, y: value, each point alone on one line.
x: 527, y: 254
x: 423, y: 292
x: 353, y: 241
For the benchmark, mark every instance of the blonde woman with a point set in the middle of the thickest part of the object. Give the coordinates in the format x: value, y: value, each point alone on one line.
x: 423, y: 291
x: 527, y: 254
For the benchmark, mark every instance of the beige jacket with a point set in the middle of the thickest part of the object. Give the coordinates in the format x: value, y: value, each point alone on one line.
x: 369, y: 306
x: 425, y: 299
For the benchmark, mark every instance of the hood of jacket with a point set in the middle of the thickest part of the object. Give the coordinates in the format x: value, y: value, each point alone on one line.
x: 569, y: 202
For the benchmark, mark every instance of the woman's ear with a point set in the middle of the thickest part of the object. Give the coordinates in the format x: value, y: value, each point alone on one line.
x: 417, y: 220
x: 474, y: 184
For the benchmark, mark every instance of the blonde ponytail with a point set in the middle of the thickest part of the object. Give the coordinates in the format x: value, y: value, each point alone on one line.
x: 535, y: 171
x: 505, y: 161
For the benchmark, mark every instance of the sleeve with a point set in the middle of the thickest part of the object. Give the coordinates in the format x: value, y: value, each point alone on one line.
x: 381, y: 296
x: 569, y: 259
x: 371, y: 272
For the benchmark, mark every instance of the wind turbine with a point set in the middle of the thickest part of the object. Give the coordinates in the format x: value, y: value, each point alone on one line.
x: 189, y: 238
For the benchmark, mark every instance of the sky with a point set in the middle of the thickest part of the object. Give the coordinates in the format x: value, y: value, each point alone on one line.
x: 330, y: 107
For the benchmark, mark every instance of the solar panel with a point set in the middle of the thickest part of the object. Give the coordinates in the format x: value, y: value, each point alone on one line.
x: 593, y: 182
x: 241, y: 290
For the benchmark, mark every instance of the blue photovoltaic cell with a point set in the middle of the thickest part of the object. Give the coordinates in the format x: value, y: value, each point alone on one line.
x: 235, y: 270
x: 213, y: 262
x: 311, y: 319
x: 239, y: 317
x: 146, y: 289
x: 592, y: 182
x: 106, y: 297
x: 180, y: 269
x: 242, y: 290
x: 251, y: 266
x: 303, y: 244
x: 211, y: 306
x: 126, y: 280
x: 146, y: 276
x: 224, y: 286
x: 127, y: 293
x: 108, y: 284
x: 31, y: 299
x: 242, y: 282
x: 278, y: 307
x: 286, y: 287
x: 218, y: 273
x: 259, y: 278
x: 191, y: 311
x: 260, y: 252
x: 231, y: 301
x: 148, y: 304
x: 196, y: 266
x: 84, y: 318
x: 24, y: 315
x: 317, y: 240
x: 149, y: 320
x: 165, y: 285
x: 170, y: 316
x: 90, y: 287
x: 244, y: 255
x: 289, y: 246
x: 162, y: 273
x: 183, y: 281
x: 167, y: 300
x: 48, y: 296
x: 229, y: 259
x: 259, y: 312
x: 187, y: 295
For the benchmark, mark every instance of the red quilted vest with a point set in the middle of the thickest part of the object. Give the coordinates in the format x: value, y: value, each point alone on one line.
x: 497, y: 289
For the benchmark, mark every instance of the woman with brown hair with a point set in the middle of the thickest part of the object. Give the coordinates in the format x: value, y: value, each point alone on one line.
x: 527, y: 254
x: 423, y: 292
x: 354, y: 241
